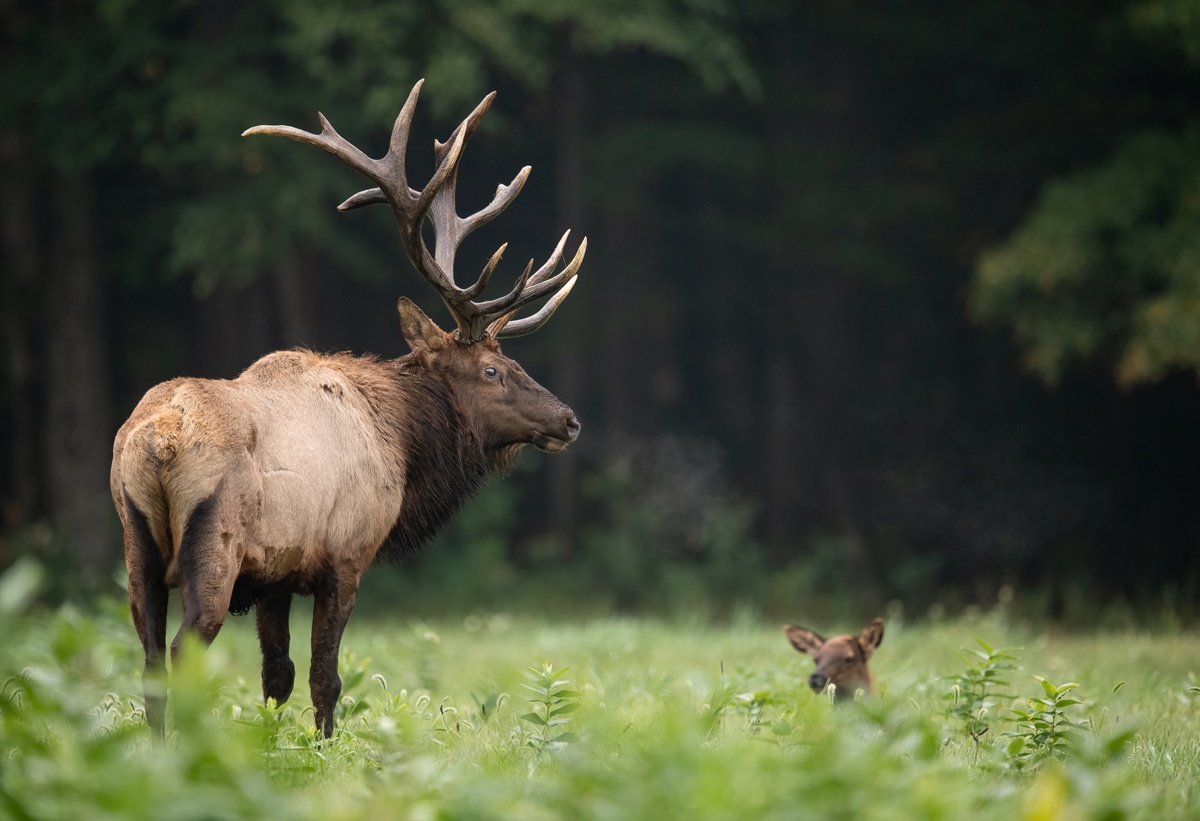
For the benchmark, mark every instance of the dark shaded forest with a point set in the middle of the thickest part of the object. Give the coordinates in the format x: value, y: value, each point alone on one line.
x: 908, y: 298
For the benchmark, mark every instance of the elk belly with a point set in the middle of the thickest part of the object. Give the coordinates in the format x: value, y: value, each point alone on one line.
x: 290, y: 524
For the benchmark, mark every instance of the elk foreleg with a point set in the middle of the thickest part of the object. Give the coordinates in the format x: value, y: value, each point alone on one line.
x: 278, y: 671
x: 333, y: 599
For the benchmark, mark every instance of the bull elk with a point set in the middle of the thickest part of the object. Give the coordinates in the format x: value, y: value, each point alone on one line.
x: 841, y: 660
x: 307, y: 468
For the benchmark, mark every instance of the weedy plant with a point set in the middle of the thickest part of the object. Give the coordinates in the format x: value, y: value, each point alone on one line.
x: 73, y: 739
x: 978, y: 690
x: 1044, y: 730
x: 552, y: 701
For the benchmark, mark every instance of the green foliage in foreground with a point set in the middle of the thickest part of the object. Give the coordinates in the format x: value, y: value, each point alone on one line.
x: 475, y: 718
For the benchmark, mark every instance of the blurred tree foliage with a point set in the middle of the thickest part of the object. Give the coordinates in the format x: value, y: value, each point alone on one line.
x: 797, y: 216
x: 1107, y: 266
x: 145, y: 101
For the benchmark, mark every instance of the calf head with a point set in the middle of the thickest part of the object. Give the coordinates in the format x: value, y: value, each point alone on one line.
x: 841, y: 660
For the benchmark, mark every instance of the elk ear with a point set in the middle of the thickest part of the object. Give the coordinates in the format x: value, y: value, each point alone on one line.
x: 419, y: 330
x: 871, y: 637
x: 804, y: 640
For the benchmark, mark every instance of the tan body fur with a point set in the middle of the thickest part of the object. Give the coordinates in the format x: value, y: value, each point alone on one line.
x: 291, y: 446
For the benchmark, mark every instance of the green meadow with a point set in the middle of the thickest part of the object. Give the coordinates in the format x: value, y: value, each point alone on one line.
x: 494, y: 715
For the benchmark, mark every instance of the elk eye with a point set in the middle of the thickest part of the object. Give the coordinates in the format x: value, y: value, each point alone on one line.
x: 849, y: 659
x: 490, y: 371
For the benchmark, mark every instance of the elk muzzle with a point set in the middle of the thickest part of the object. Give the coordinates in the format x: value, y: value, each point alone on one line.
x: 566, y: 431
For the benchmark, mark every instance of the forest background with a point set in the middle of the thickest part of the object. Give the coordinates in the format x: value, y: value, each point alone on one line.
x: 881, y: 304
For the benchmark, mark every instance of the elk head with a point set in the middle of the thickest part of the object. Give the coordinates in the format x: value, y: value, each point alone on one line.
x: 841, y: 660
x: 503, y: 404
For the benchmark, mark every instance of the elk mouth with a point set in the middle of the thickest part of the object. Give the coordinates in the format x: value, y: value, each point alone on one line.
x: 551, y: 443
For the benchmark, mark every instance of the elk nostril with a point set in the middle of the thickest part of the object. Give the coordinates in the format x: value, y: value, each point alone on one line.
x: 817, y: 681
x: 573, y: 427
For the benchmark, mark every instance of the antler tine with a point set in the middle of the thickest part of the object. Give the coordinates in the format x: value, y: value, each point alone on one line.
x: 504, y: 329
x: 504, y: 195
x: 539, y: 284
x: 450, y: 229
x: 372, y: 196
x: 509, y: 300
x: 328, y: 140
x: 552, y: 261
x: 485, y: 277
x: 410, y: 221
x: 398, y: 144
x: 397, y: 153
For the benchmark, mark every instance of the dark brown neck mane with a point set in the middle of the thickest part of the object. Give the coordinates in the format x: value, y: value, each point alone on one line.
x: 433, y: 428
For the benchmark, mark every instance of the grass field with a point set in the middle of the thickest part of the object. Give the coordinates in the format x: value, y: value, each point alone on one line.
x: 445, y: 719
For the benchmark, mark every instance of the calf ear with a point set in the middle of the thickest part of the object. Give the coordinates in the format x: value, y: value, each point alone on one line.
x: 803, y: 639
x: 420, y: 331
x: 871, y: 637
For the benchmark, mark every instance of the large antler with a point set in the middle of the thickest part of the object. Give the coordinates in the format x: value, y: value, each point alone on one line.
x: 492, y: 318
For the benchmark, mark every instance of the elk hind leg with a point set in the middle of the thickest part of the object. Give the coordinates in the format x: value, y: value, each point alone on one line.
x: 278, y: 671
x: 206, y: 574
x: 148, y: 606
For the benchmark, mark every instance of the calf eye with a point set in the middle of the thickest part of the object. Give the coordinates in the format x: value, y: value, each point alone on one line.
x: 490, y: 371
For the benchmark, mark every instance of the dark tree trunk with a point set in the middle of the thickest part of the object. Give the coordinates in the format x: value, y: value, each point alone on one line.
x: 834, y: 363
x: 788, y: 456
x: 616, y: 333
x: 79, y: 431
x: 562, y: 471
x: 232, y: 329
x: 290, y: 306
x: 22, y: 312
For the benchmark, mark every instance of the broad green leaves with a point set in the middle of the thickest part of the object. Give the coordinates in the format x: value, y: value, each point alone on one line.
x: 552, y: 701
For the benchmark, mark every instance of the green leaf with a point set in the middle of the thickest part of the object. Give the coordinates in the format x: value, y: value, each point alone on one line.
x: 534, y: 718
x: 20, y: 584
x: 1117, y: 744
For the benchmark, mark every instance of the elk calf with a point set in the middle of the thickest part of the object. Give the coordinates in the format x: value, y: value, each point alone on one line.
x: 841, y: 660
